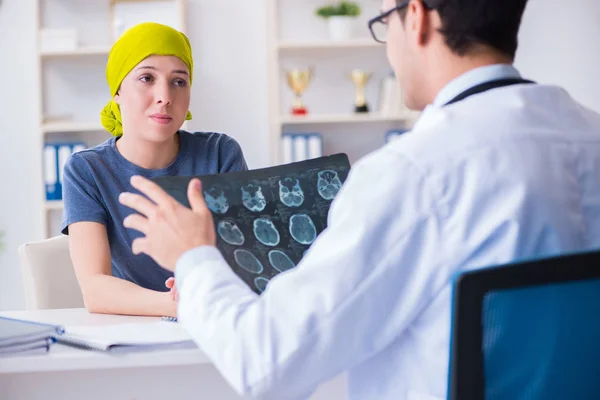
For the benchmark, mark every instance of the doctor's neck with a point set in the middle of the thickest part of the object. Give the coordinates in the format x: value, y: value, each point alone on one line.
x: 448, y: 66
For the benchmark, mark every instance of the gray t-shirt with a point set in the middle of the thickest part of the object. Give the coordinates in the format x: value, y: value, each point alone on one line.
x: 94, y: 178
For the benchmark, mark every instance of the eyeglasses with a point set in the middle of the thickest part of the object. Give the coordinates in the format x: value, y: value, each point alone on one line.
x: 378, y: 25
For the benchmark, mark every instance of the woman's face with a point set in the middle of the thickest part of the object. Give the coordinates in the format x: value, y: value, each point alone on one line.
x: 154, y: 98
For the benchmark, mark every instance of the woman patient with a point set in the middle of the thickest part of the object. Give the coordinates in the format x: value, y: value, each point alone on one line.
x: 149, y: 74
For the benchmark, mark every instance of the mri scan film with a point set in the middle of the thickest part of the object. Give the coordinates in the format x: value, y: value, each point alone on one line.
x: 267, y: 219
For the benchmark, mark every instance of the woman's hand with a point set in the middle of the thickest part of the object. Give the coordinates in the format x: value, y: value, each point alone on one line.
x: 170, y: 283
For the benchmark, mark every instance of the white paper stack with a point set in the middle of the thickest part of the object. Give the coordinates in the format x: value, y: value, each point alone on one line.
x: 391, y: 103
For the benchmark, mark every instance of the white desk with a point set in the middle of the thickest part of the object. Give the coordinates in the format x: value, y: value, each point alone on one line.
x: 68, y: 373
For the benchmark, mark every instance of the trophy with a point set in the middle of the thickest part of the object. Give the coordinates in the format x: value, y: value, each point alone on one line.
x: 360, y: 79
x: 298, y: 81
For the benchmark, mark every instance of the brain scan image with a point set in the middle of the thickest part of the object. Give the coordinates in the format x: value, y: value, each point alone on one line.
x: 265, y: 232
x: 328, y: 184
x: 253, y: 198
x: 248, y: 261
x: 302, y: 229
x: 231, y: 233
x: 216, y: 201
x: 290, y: 192
x: 280, y: 261
x: 261, y: 283
x: 180, y: 195
x: 265, y: 220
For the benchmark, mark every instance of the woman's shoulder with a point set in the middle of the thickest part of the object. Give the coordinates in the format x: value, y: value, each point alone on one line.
x: 210, y: 139
x: 91, y: 161
x: 101, y: 151
x: 224, y: 149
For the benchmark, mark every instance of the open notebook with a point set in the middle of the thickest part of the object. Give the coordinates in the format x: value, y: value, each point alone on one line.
x: 141, y: 336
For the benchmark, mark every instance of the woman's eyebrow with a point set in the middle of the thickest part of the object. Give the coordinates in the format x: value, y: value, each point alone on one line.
x: 145, y: 67
x: 175, y: 71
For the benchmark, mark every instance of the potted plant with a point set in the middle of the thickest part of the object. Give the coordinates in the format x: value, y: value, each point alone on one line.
x: 340, y: 18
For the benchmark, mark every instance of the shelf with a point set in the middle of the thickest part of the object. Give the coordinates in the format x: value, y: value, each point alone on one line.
x: 328, y: 44
x: 82, y: 51
x: 53, y: 205
x: 342, y: 118
x: 54, y: 127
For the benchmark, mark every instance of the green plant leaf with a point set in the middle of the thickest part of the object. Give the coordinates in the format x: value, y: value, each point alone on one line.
x: 342, y: 9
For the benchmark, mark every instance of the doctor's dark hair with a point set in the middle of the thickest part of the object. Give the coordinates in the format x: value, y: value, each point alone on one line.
x: 469, y: 23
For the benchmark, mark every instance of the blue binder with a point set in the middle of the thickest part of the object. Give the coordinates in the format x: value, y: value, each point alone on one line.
x: 394, y: 134
x: 55, y: 157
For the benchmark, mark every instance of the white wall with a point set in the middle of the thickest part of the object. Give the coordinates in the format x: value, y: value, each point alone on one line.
x: 558, y: 44
x: 20, y: 193
x: 229, y: 42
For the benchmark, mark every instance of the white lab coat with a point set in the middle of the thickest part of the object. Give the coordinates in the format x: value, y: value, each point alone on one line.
x: 504, y: 175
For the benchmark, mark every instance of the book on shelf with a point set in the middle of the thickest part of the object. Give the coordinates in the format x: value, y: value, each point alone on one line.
x: 301, y: 146
x: 55, y: 157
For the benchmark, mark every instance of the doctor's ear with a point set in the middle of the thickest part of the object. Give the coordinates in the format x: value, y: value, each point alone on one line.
x: 418, y: 21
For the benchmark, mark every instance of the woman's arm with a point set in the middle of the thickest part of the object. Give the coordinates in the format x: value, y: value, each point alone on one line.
x: 102, y: 292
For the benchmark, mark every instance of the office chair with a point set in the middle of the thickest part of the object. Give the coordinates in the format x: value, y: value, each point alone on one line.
x: 527, y: 331
x: 48, y: 276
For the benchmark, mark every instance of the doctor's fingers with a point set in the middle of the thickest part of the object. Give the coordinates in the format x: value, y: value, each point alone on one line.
x: 137, y: 222
x: 196, y: 198
x: 138, y: 203
x: 152, y: 190
x: 140, y: 246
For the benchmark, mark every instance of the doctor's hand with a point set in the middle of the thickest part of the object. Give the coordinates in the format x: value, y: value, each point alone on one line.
x: 169, y: 228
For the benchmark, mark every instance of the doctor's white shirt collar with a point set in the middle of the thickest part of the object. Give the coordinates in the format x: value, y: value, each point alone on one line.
x: 473, y: 78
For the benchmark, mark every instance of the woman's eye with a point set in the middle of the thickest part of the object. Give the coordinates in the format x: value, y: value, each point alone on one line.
x: 146, y: 78
x: 180, y: 82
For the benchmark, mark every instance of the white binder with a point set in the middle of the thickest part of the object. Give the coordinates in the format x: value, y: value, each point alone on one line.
x: 301, y: 146
x: 50, y: 175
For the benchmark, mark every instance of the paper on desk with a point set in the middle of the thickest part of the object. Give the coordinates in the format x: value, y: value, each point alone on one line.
x: 128, y: 337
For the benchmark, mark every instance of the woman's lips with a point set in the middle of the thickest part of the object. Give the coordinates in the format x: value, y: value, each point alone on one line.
x: 161, y: 118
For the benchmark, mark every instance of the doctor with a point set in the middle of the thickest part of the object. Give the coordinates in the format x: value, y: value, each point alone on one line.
x: 497, y: 169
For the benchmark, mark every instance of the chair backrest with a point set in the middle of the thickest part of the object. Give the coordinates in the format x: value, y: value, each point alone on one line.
x: 529, y: 330
x: 48, y: 276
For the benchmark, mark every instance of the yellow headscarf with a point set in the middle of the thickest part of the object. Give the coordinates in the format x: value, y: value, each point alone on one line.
x: 137, y: 43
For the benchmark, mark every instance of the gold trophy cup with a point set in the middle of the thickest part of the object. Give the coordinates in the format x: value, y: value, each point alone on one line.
x: 298, y: 81
x: 360, y: 79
